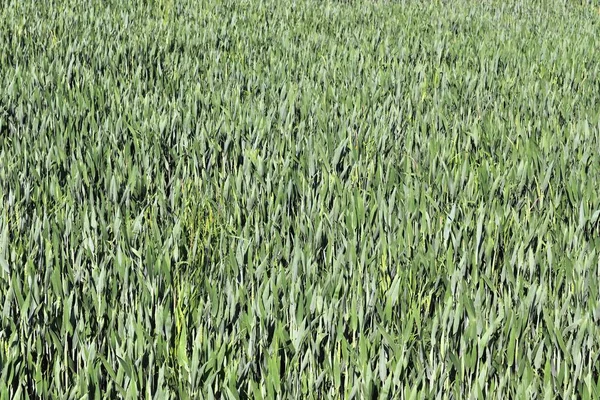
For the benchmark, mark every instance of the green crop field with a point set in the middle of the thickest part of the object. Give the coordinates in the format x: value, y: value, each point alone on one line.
x: 299, y: 199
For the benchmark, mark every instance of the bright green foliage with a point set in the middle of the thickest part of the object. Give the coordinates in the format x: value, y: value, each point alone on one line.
x: 284, y: 199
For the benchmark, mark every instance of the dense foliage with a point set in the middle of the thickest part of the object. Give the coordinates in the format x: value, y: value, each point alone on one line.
x: 260, y: 199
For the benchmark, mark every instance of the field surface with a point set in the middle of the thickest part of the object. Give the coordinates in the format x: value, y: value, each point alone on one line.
x: 299, y: 199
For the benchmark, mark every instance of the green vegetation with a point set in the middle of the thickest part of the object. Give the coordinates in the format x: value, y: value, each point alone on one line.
x: 262, y: 199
